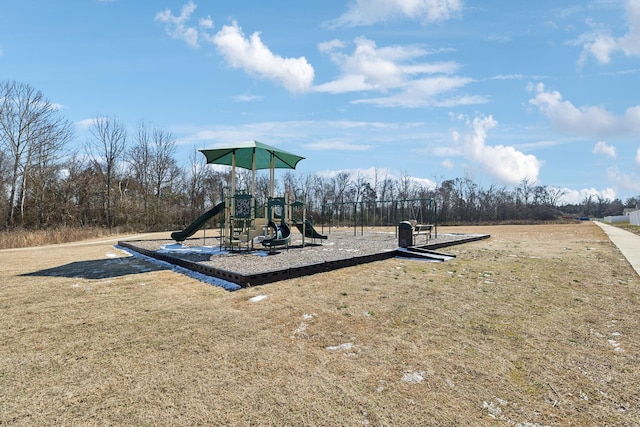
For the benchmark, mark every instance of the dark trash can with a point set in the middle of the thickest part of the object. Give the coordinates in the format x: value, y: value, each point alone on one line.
x: 405, y: 234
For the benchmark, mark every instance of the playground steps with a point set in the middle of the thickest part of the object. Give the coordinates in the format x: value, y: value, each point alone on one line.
x: 246, y: 237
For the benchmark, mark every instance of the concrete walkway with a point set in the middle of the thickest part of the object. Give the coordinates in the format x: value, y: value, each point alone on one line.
x: 626, y: 241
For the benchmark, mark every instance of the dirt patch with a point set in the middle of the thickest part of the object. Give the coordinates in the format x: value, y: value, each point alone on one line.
x: 537, y: 325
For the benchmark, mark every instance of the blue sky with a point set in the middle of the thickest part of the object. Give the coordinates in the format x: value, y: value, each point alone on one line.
x: 496, y: 91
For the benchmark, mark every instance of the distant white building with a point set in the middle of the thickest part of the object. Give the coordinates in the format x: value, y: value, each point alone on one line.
x: 630, y: 215
x: 616, y: 218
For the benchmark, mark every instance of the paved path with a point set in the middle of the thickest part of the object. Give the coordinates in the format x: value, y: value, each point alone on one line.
x: 626, y: 241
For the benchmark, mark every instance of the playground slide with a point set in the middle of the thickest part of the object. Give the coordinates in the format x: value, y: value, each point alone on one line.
x: 309, y: 231
x: 282, y: 235
x: 180, y: 236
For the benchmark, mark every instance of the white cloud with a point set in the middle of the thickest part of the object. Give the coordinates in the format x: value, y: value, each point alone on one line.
x: 369, y: 12
x: 638, y: 157
x: 396, y: 72
x: 578, y: 196
x: 356, y: 133
x: 176, y: 26
x: 601, y: 147
x: 206, y: 23
x: 508, y: 77
x: 504, y: 163
x: 447, y: 164
x: 423, y: 182
x: 601, y: 45
x: 374, y: 67
x: 608, y: 194
x: 352, y: 83
x: 335, y: 145
x: 247, y: 98
x: 252, y: 56
x: 624, y: 180
x: 372, y: 174
x: 500, y: 38
x: 84, y: 124
x: 249, y: 54
x: 427, y: 92
x: 330, y: 45
x: 588, y: 121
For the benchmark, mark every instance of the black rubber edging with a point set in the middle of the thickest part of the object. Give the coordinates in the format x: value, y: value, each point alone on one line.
x: 272, y: 276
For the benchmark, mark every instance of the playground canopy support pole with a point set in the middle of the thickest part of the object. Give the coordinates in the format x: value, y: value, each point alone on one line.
x: 271, y: 175
x: 304, y: 217
x: 361, y: 219
x: 232, y: 203
x: 253, y: 186
x: 355, y: 215
x: 395, y: 215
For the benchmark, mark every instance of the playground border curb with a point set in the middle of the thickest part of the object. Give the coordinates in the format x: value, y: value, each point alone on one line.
x: 263, y: 278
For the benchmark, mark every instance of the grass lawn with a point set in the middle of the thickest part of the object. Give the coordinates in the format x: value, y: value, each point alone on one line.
x: 538, y: 325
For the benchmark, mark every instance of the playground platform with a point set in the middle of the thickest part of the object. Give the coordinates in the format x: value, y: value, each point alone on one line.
x: 343, y: 248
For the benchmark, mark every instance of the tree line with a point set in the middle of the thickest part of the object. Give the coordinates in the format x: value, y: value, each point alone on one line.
x: 134, y: 182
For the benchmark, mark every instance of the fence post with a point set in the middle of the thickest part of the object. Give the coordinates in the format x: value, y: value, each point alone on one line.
x: 361, y: 219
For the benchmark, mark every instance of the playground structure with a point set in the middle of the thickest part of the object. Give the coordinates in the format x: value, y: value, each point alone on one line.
x: 247, y: 224
x: 244, y: 223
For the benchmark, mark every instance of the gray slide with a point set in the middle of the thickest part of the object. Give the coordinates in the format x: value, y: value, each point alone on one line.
x: 282, y: 236
x: 181, y: 236
x: 309, y: 231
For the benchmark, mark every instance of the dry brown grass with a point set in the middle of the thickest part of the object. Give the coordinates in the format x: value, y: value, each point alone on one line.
x: 27, y: 238
x: 538, y: 324
x: 635, y: 229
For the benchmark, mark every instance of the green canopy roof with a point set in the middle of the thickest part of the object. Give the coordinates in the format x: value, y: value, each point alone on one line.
x: 244, y: 156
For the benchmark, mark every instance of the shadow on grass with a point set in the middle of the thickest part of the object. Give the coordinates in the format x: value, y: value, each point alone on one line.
x: 99, y: 269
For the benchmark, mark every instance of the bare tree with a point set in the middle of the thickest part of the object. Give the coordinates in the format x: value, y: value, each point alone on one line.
x: 195, y: 182
x: 262, y: 189
x: 341, y: 182
x: 106, y: 150
x: 525, y: 191
x: 45, y: 169
x: 386, y: 189
x: 319, y: 190
x: 139, y: 157
x: 3, y: 181
x: 297, y: 186
x: 405, y: 186
x: 243, y: 179
x: 30, y: 128
x: 359, y: 186
x: 290, y: 183
x: 164, y: 169
x: 555, y: 194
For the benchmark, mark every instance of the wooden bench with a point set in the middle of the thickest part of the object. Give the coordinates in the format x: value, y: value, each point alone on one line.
x: 422, y: 229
